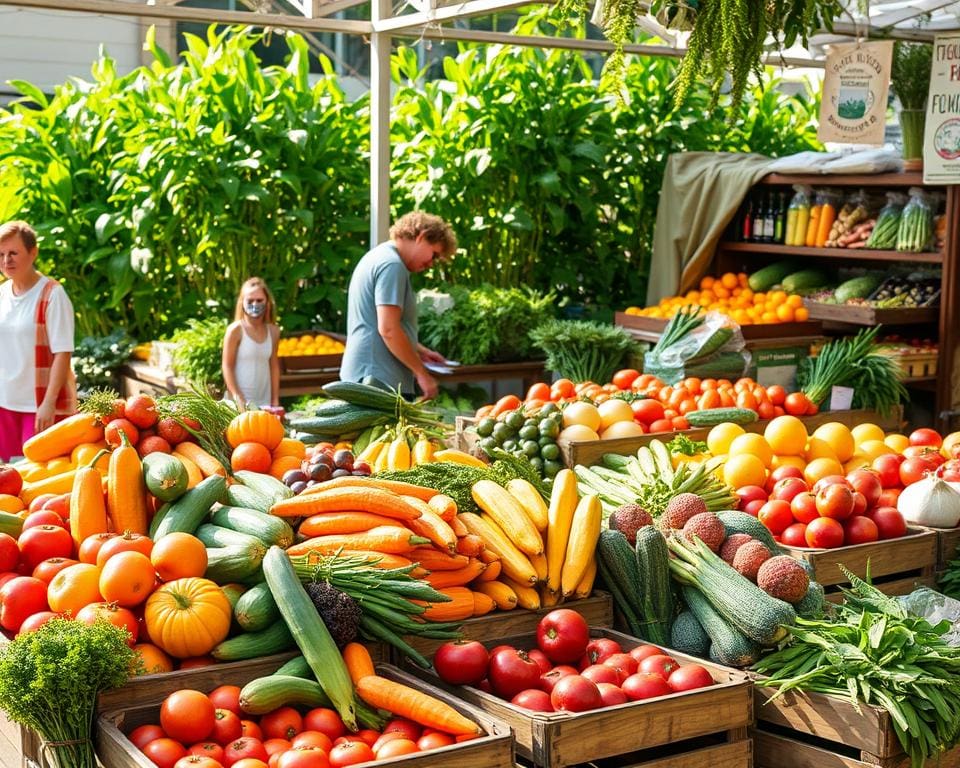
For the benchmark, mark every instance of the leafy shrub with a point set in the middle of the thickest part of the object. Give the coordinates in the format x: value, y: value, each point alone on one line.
x: 97, y: 360
x: 199, y: 352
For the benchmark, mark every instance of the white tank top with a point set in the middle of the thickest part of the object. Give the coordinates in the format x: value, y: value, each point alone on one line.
x: 252, y: 369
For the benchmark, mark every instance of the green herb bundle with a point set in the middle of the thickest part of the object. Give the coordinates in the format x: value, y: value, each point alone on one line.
x: 874, y: 652
x: 910, y: 73
x: 580, y: 350
x: 213, y: 416
x: 198, y: 354
x: 50, y: 678
x: 856, y: 363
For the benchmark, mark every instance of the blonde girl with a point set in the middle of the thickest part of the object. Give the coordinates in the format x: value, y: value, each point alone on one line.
x: 251, y: 368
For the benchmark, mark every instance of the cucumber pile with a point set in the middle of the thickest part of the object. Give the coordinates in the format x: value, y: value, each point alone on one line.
x: 532, y: 436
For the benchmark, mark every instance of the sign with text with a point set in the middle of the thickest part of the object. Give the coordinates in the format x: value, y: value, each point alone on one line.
x: 856, y: 81
x: 941, y: 135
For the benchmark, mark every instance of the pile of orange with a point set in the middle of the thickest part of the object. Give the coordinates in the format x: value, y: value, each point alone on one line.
x: 731, y: 295
x: 309, y: 344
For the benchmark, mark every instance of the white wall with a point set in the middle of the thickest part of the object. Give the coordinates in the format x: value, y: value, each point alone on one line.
x: 46, y: 47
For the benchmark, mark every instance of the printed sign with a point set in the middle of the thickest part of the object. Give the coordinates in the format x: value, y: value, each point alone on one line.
x: 941, y: 135
x: 854, y: 104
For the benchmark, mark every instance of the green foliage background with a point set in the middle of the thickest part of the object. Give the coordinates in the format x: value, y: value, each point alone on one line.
x: 158, y: 192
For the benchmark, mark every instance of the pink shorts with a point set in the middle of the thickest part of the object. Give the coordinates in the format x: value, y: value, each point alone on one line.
x: 16, y: 428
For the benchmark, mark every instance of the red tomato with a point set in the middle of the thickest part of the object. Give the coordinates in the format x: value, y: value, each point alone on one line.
x: 19, y: 598
x: 9, y: 553
x: 782, y: 473
x: 642, y: 651
x: 867, y: 482
x: 689, y: 677
x: 512, y: 671
x: 11, y: 483
x: 227, y: 726
x: 794, y: 535
x: 402, y: 725
x: 829, y: 480
x: 601, y: 648
x: 662, y: 665
x: 535, y: 699
x: 111, y: 433
x: 226, y: 697
x: 575, y: 693
x: 281, y: 723
x: 776, y: 515
x: 245, y: 746
x: 304, y: 757
x: 47, y: 569
x: 890, y: 522
x: 912, y: 470
x: 463, y: 662
x: 385, y: 737
x: 34, y: 621
x: 647, y: 411
x: 563, y: 635
x: 804, y: 507
x: 859, y: 504
x: 549, y: 679
x: 350, y: 753
x: 43, y: 517
x: 887, y: 468
x: 144, y: 734
x: 835, y: 501
x: 197, y: 761
x: 127, y: 542
x: 925, y: 436
x: 645, y: 685
x: 141, y: 411
x: 750, y: 493
x: 120, y: 617
x: 860, y: 530
x: 252, y: 762
x: 541, y: 658
x: 888, y: 497
x: 661, y: 425
x: 42, y: 542
x: 624, y: 378
x: 435, y: 740
x: 753, y: 507
x: 824, y: 533
x: 188, y: 716
x: 164, y: 752
x: 624, y: 664
x: 601, y: 673
x: 612, y: 695
x: 394, y: 748
x: 207, y: 749
x: 950, y: 470
x: 368, y: 735
x: 788, y: 487
x: 325, y: 720
x: 90, y: 547
x: 250, y: 729
x: 306, y: 739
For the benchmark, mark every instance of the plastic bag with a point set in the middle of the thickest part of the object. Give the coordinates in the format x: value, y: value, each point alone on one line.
x: 934, y: 607
x: 884, y: 235
x: 715, y: 349
x: 916, y: 222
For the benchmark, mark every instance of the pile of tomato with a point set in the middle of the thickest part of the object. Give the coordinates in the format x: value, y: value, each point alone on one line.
x: 199, y: 730
x: 568, y: 671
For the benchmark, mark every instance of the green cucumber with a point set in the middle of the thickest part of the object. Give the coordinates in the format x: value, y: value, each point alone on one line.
x: 165, y: 476
x: 251, y: 645
x: 354, y: 421
x: 239, y: 495
x: 804, y: 279
x: 256, y: 609
x: 362, y: 395
x: 234, y: 563
x: 11, y: 524
x: 296, y: 667
x: 764, y: 279
x: 186, y: 513
x: 713, y: 416
x: 264, y: 484
x: 271, y: 692
x: 268, y: 528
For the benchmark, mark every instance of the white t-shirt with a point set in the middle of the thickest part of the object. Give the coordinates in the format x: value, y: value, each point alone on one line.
x: 18, y: 340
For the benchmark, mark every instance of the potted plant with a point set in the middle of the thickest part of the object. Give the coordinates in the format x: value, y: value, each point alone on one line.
x: 910, y: 80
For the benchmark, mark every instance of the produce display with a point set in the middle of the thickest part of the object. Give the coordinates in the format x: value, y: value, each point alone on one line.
x: 309, y: 344
x: 875, y: 289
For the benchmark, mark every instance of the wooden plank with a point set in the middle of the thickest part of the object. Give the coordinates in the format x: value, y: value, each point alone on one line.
x: 858, y: 254
x: 738, y: 754
x: 596, y: 609
x: 494, y: 750
x: 776, y: 750
x: 916, y: 552
x: 947, y: 541
x: 864, y: 314
x: 556, y: 739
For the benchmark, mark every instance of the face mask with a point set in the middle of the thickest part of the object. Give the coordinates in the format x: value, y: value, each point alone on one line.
x: 254, y: 310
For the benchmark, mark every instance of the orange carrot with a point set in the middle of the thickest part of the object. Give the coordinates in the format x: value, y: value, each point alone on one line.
x: 458, y: 578
x: 349, y: 498
x: 470, y: 545
x: 459, y: 607
x: 358, y: 661
x: 207, y: 464
x: 384, y: 538
x: 456, y: 524
x: 504, y: 404
x: 327, y: 523
x: 354, y: 481
x: 431, y: 526
x: 444, y: 506
x: 493, y: 570
x: 381, y: 693
x: 434, y: 560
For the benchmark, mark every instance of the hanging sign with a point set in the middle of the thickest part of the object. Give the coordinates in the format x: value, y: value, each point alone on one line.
x: 941, y: 136
x: 853, y: 107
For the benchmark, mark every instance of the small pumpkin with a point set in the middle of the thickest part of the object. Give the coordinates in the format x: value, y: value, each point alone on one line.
x: 187, y: 617
x: 255, y: 427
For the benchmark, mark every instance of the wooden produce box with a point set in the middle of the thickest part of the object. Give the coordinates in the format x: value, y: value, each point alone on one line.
x: 654, y: 326
x: 596, y: 609
x: 803, y: 729
x: 865, y: 314
x: 297, y: 363
x: 947, y: 541
x: 494, y: 750
x: 705, y: 727
x: 897, y: 566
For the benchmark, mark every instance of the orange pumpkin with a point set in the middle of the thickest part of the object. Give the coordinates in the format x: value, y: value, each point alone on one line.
x: 255, y: 427
x: 187, y: 617
x: 290, y: 447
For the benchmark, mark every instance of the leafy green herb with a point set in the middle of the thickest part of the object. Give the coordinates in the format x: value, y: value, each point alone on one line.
x: 910, y: 73
x: 199, y: 352
x: 580, y: 350
x: 50, y: 678
x: 485, y: 324
x: 686, y: 446
x: 213, y: 416
x: 97, y: 359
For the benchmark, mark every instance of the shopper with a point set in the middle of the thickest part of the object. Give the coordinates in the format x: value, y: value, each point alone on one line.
x: 382, y: 306
x: 251, y: 367
x: 37, y: 386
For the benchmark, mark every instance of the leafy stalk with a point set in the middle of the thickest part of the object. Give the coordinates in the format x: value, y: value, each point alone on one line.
x: 582, y: 351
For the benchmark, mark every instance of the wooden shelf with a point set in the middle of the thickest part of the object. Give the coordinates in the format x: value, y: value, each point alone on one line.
x: 853, y: 254
x: 906, y: 179
x: 864, y: 314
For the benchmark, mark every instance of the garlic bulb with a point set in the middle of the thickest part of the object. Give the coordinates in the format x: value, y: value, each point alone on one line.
x: 930, y: 502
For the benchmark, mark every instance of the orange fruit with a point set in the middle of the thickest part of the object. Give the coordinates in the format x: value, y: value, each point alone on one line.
x: 582, y: 414
x: 744, y: 469
x: 150, y: 660
x: 753, y: 444
x: 720, y: 436
x: 818, y: 448
x: 178, y: 556
x: 838, y: 437
x: 786, y: 435
x: 74, y: 587
x: 127, y: 578
x: 863, y: 432
x: 822, y: 467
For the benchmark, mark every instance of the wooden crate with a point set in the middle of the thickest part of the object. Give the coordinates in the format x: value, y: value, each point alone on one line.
x: 864, y: 314
x: 947, y: 541
x: 775, y: 750
x: 494, y: 750
x: 596, y: 609
x: 717, y: 716
x: 297, y: 363
x: 894, y: 563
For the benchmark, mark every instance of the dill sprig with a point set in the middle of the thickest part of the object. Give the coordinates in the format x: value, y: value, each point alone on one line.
x: 100, y: 402
x: 213, y: 416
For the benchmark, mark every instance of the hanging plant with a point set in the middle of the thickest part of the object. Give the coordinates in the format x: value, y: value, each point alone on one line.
x: 726, y: 36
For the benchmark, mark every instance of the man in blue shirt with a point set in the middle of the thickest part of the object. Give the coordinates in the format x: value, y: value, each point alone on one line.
x: 382, y: 306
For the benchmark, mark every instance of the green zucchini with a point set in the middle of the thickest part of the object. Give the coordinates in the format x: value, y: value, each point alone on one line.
x: 857, y: 288
x: 804, y: 279
x: 728, y: 645
x: 236, y: 563
x: 11, y: 524
x: 814, y: 603
x: 239, y: 495
x: 268, y: 528
x: 764, y: 279
x: 264, y: 484
x: 713, y: 416
x: 310, y: 633
x: 333, y: 407
x: 216, y: 536
x: 354, y: 421
x: 296, y: 667
x: 652, y: 557
x: 256, y: 609
x: 251, y: 645
x: 186, y: 513
x: 687, y: 635
x: 362, y: 394
x: 268, y: 693
x: 620, y: 563
x: 165, y: 476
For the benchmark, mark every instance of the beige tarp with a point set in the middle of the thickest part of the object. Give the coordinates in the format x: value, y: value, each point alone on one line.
x: 700, y: 195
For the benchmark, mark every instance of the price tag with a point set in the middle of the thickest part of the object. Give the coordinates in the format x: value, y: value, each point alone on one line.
x: 841, y: 398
